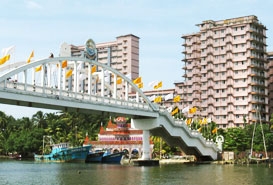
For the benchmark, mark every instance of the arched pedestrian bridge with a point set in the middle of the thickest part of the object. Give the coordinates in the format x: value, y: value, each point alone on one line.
x: 83, y: 85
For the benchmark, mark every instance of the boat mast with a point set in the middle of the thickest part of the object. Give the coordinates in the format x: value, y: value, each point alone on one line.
x: 253, y: 134
x: 263, y: 135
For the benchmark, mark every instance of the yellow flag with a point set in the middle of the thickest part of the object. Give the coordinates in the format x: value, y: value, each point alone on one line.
x: 199, y: 130
x: 176, y: 99
x: 157, y: 86
x: 4, y: 59
x: 140, y: 85
x: 68, y: 73
x: 137, y: 80
x: 205, y: 121
x: 93, y: 69
x: 119, y: 80
x: 188, y: 121
x: 30, y: 57
x: 192, y: 110
x: 175, y: 111
x: 214, y: 130
x: 64, y: 63
x: 158, y: 99
x: 38, y: 68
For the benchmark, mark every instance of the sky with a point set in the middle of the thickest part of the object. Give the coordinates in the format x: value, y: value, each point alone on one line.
x: 43, y: 26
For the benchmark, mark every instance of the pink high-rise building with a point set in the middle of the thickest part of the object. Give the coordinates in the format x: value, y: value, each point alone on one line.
x: 226, y: 71
x: 270, y: 82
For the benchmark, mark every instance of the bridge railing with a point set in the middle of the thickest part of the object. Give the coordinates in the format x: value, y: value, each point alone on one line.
x: 192, y: 133
x: 51, y: 92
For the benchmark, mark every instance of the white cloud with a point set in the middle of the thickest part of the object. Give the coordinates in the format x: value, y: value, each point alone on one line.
x: 33, y: 5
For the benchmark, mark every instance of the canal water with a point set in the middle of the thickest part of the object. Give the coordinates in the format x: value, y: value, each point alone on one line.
x: 33, y: 173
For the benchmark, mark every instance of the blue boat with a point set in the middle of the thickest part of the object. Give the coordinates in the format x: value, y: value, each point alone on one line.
x: 104, y: 156
x: 94, y: 157
x: 63, y: 153
x: 109, y: 157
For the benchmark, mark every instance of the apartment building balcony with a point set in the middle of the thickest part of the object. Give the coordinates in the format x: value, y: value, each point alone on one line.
x: 257, y: 84
x: 254, y: 74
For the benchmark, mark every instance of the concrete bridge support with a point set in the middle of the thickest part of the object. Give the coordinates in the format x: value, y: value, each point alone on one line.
x: 146, y: 145
x: 145, y: 125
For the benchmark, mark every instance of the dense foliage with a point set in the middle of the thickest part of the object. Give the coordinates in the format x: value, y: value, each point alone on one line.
x: 25, y: 135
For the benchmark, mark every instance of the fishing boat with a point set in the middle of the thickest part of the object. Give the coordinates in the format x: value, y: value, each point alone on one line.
x: 109, y: 157
x: 94, y: 157
x: 104, y: 156
x: 260, y: 157
x: 62, y: 152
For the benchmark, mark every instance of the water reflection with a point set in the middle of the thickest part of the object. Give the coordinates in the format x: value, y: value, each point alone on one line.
x: 30, y: 172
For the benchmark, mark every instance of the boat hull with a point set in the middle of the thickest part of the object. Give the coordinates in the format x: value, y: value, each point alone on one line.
x: 112, y: 158
x: 77, y: 154
x: 95, y: 157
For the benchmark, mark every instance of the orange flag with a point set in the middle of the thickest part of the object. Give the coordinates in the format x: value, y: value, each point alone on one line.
x: 64, y: 63
x: 93, y: 69
x: 119, y: 80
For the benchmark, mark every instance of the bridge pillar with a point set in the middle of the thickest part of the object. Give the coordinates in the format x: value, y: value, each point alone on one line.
x: 146, y: 145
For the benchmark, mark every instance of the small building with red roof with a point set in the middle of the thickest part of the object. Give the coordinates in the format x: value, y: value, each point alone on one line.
x: 119, y: 136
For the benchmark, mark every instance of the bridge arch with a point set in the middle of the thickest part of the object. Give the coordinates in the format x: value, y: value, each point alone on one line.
x: 27, y: 83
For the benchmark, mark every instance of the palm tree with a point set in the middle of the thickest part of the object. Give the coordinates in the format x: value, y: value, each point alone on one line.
x: 38, y: 119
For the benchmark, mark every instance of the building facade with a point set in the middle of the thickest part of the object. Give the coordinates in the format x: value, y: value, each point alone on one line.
x: 270, y: 82
x: 121, y: 54
x: 225, y: 71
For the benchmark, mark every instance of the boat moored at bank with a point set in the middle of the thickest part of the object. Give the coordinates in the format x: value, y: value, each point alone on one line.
x: 62, y: 152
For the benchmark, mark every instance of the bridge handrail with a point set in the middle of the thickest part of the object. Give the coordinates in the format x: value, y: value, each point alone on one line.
x: 193, y: 133
x: 71, y: 96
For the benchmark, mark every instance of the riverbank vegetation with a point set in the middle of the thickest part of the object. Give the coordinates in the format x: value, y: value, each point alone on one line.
x: 25, y: 135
